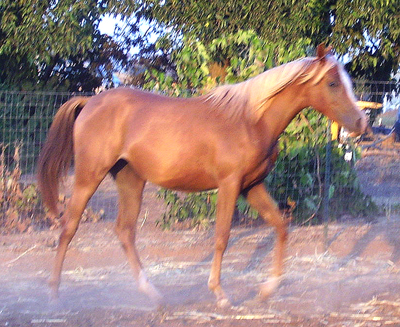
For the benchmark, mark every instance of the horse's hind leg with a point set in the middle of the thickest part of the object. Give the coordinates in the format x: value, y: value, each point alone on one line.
x: 130, y: 189
x: 260, y: 200
x: 83, y: 189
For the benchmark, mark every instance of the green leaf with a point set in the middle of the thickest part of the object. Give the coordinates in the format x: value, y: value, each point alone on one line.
x: 310, y: 204
x: 306, y: 179
x: 331, y: 191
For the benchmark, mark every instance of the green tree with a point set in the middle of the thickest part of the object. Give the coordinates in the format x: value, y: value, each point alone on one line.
x: 367, y: 31
x: 55, y: 44
x: 200, y: 66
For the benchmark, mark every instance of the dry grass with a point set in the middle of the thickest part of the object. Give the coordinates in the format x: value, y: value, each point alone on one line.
x: 21, y: 208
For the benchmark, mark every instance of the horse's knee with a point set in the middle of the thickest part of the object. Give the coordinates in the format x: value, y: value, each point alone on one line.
x: 279, y: 222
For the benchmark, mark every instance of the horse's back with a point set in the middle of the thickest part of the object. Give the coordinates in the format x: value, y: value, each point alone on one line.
x: 123, y: 103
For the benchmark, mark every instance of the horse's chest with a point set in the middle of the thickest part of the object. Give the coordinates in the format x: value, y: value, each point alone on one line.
x: 261, y: 165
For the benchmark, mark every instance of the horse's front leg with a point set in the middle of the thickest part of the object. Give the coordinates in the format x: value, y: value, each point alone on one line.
x: 227, y: 195
x: 260, y: 200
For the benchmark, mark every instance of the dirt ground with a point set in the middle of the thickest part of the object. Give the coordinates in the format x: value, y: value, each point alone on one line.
x: 347, y: 274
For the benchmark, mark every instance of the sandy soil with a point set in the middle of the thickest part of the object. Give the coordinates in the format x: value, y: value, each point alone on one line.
x: 354, y: 282
x: 347, y: 274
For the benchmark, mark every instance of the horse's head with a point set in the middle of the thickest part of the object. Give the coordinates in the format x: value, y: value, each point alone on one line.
x: 332, y: 93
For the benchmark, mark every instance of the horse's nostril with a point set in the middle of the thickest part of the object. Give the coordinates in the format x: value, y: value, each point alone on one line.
x: 359, y: 123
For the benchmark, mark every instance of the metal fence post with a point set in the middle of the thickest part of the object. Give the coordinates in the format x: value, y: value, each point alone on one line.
x: 327, y: 184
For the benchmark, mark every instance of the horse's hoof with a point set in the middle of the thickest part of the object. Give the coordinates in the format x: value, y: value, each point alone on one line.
x: 146, y: 287
x: 54, y: 295
x: 158, y: 300
x: 54, y: 286
x: 223, y: 303
x: 269, y: 287
x: 55, y: 305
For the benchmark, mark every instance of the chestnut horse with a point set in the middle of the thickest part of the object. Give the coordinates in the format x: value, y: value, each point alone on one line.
x: 225, y: 140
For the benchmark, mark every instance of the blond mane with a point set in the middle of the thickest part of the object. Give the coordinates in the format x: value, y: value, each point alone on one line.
x: 247, y: 99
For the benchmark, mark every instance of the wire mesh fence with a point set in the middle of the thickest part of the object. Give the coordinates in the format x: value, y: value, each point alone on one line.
x: 376, y: 91
x: 25, y: 118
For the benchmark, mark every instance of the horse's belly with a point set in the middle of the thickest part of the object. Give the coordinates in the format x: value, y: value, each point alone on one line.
x: 192, y: 181
x: 173, y: 172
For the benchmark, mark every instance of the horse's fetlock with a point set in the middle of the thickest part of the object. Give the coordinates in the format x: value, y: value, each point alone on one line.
x: 212, y: 284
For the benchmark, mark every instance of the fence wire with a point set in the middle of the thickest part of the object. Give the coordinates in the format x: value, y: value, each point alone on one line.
x: 25, y: 118
x: 376, y: 91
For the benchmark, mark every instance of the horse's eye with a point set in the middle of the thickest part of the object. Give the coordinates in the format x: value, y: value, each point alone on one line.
x: 333, y: 84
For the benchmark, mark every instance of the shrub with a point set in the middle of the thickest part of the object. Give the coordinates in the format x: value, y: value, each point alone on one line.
x: 300, y: 172
x: 21, y: 208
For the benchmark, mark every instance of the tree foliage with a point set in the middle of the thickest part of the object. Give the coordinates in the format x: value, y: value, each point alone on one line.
x: 368, y: 32
x: 55, y: 44
x: 199, y: 66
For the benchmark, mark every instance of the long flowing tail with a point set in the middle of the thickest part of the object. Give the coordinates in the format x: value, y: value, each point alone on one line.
x: 57, y: 153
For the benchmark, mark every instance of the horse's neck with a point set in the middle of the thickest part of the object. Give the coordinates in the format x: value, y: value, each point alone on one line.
x: 282, y: 108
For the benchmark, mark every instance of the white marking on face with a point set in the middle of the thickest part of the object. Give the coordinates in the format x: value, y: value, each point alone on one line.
x: 349, y: 90
x: 347, y: 83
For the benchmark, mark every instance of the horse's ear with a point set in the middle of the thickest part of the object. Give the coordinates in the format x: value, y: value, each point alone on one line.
x: 322, y: 52
x: 328, y: 50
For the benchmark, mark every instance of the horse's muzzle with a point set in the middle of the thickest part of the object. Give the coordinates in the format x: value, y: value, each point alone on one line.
x: 360, y: 126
